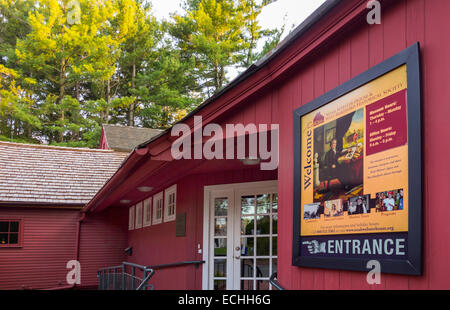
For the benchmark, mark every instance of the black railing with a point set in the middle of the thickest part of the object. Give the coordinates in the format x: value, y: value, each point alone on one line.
x: 273, y: 280
x: 171, y: 265
x: 130, y: 276
x: 127, y: 276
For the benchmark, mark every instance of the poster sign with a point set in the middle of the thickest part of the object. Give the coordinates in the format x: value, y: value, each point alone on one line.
x: 357, y: 194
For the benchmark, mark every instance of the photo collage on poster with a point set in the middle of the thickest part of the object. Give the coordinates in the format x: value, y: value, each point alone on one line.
x: 338, y: 172
x: 354, y: 163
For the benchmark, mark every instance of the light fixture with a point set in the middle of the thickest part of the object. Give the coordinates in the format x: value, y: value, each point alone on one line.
x: 145, y: 189
x: 124, y: 201
x: 251, y: 161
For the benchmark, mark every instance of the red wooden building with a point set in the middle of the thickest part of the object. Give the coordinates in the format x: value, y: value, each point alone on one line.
x: 42, y: 191
x: 211, y: 210
x: 232, y: 218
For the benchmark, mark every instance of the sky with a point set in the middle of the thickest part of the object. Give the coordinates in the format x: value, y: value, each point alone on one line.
x: 281, y: 12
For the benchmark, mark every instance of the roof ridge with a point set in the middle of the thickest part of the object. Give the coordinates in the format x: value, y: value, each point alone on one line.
x: 134, y: 127
x: 55, y: 147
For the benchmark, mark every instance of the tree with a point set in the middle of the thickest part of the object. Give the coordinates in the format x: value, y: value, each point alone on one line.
x: 64, y: 49
x: 252, y: 32
x: 165, y: 89
x: 16, y: 110
x: 220, y: 34
x: 68, y: 66
x: 13, y: 26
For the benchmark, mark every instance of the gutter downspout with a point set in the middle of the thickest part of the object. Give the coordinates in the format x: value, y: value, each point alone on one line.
x: 77, y: 241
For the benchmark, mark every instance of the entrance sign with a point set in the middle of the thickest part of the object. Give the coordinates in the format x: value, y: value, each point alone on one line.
x: 357, y: 161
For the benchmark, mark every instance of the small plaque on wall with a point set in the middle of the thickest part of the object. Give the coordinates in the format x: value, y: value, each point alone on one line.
x: 181, y: 225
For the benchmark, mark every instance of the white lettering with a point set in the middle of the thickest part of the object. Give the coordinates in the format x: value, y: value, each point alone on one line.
x: 399, y: 247
x: 389, y: 251
x: 366, y: 247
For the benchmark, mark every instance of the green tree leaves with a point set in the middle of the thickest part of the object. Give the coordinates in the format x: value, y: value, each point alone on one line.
x: 68, y: 66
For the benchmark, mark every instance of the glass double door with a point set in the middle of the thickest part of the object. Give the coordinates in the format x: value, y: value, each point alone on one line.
x: 243, y: 230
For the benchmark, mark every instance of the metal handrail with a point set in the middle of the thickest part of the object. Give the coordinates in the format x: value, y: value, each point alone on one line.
x: 273, y: 280
x: 117, y: 277
x: 144, y: 282
x: 163, y: 266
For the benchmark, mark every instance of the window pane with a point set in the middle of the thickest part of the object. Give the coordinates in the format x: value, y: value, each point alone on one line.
x: 248, y: 225
x: 274, y: 203
x: 220, y: 285
x: 220, y: 228
x: 4, y: 226
x: 262, y: 246
x: 263, y: 225
x: 247, y: 285
x: 263, y: 203
x: 147, y: 218
x: 274, y: 224
x: 220, y: 206
x: 220, y: 247
x: 262, y: 284
x: 248, y: 204
x: 3, y: 238
x: 247, y: 268
x: 274, y: 246
x: 263, y: 268
x: 247, y: 246
x: 220, y: 268
x: 274, y: 265
x: 14, y: 238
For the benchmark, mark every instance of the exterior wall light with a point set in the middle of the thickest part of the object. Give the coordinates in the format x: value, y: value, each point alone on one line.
x: 145, y: 189
x: 251, y: 161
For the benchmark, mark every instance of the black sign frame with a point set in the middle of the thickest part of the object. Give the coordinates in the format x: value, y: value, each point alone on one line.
x: 413, y: 264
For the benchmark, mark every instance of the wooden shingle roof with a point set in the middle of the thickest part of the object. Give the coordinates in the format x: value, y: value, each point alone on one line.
x: 126, y: 138
x: 39, y: 174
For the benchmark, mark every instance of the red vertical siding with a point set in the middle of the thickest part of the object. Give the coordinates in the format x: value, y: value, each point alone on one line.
x: 436, y: 66
x: 157, y: 244
x: 350, y: 52
x: 403, y: 23
x: 49, y: 237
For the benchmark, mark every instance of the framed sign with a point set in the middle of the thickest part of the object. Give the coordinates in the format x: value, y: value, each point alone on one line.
x: 358, y: 192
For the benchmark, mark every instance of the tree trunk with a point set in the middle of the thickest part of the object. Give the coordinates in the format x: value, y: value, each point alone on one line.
x: 108, y: 101
x: 62, y: 93
x: 132, y: 107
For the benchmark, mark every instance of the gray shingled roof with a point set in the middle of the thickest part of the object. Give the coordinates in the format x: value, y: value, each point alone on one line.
x: 39, y: 174
x: 126, y: 138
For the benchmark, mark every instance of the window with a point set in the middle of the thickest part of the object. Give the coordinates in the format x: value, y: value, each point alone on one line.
x: 170, y: 195
x: 147, y: 212
x: 10, y: 233
x: 157, y: 208
x: 138, y: 216
x: 131, y: 218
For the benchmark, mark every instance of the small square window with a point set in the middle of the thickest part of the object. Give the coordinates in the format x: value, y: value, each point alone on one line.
x: 10, y: 233
x: 131, y: 218
x: 138, y: 216
x: 147, y: 212
x: 157, y: 208
x: 171, y: 203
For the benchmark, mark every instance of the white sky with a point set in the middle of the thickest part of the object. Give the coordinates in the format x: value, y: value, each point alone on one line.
x: 275, y: 15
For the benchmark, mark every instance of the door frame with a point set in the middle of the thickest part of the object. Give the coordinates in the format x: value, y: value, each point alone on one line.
x: 208, y: 190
